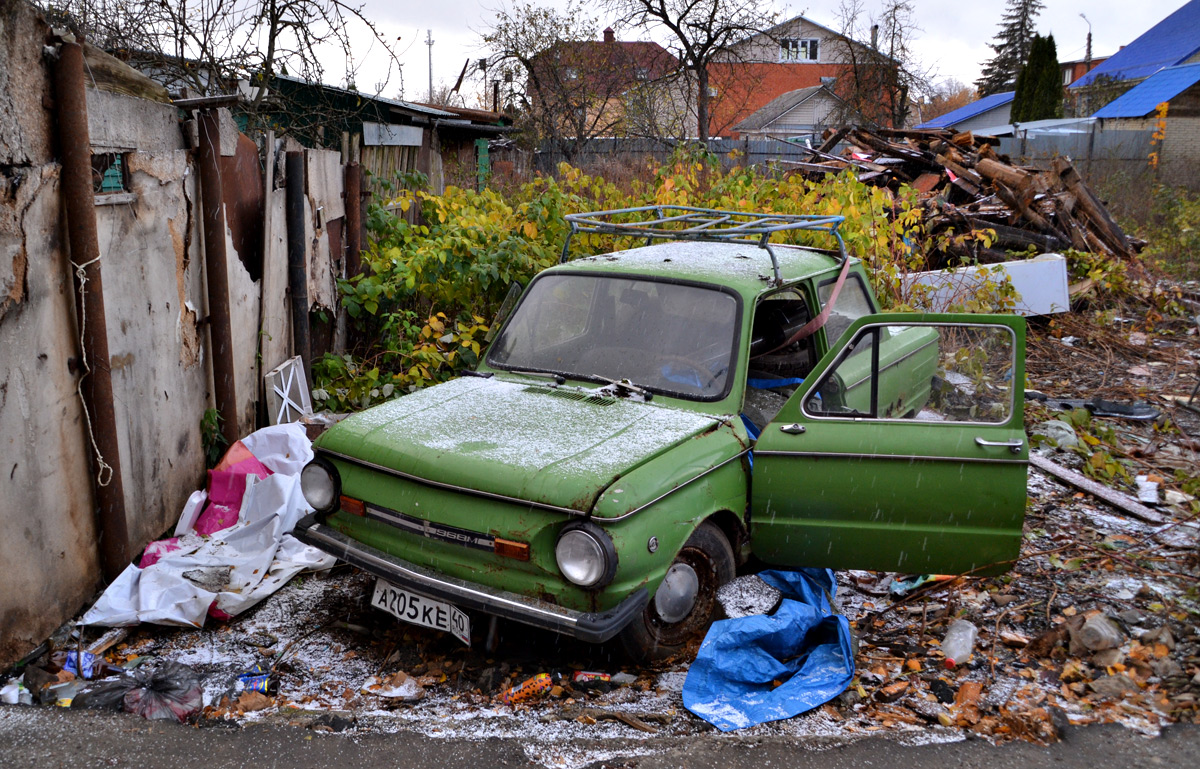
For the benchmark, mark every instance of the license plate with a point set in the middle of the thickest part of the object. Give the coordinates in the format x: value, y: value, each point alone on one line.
x: 420, y: 610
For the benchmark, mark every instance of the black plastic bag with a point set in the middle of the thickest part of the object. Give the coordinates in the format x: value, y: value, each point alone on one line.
x: 169, y: 692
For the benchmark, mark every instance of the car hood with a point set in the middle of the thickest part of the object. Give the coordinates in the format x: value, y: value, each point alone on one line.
x: 558, y: 447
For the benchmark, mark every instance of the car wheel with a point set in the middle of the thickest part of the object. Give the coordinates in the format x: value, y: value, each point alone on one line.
x: 686, y: 601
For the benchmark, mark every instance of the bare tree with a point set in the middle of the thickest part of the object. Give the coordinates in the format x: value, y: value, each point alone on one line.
x: 565, y: 84
x: 879, y: 79
x: 702, y: 33
x: 205, y: 46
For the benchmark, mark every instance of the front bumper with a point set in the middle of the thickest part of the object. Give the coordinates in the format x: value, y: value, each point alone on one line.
x: 593, y: 627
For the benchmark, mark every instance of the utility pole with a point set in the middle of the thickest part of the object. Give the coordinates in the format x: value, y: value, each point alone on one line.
x: 429, y: 42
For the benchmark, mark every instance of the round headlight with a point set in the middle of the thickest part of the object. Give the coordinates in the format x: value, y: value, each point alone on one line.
x: 586, y: 557
x: 319, y: 482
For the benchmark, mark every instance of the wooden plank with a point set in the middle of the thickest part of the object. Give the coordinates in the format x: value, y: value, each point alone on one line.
x: 1122, y: 502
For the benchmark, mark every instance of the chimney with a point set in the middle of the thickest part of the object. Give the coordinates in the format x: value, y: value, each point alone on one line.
x: 875, y: 36
x: 609, y: 37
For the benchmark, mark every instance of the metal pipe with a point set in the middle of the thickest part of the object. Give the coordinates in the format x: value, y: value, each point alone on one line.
x: 353, y: 219
x: 298, y: 259
x: 216, y: 268
x: 75, y: 149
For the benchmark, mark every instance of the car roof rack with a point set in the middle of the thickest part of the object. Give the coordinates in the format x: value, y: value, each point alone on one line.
x: 703, y: 224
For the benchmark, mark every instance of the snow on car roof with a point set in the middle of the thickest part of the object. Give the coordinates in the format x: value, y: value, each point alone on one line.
x: 744, y: 266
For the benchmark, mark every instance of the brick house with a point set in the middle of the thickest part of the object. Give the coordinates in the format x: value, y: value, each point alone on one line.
x: 595, y: 88
x: 794, y: 55
x: 1139, y: 108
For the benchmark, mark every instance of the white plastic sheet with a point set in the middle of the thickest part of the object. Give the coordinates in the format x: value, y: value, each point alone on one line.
x: 233, y: 569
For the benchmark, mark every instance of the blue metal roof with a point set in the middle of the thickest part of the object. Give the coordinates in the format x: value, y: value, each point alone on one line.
x: 1144, y: 97
x: 971, y: 110
x: 1172, y: 41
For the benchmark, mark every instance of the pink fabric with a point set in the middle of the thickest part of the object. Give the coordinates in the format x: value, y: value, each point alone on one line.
x: 156, y: 550
x: 225, y: 491
x: 218, y: 614
x: 215, y: 518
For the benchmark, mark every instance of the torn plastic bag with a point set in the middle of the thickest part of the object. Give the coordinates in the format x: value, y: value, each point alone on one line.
x: 763, y: 668
x: 169, y: 692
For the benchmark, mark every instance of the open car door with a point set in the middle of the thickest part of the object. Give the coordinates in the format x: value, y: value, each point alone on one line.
x: 903, y: 450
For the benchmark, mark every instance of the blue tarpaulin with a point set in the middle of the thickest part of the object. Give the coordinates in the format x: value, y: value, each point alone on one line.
x: 763, y: 668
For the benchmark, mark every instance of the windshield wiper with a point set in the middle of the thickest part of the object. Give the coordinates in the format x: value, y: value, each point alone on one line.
x: 621, y: 388
x: 558, y: 378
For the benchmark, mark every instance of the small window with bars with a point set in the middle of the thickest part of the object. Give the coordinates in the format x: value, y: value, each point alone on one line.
x: 109, y: 173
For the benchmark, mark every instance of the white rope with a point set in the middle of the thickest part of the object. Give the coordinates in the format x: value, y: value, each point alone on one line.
x: 104, y: 471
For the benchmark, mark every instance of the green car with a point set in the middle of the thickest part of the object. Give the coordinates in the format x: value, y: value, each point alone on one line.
x: 648, y: 419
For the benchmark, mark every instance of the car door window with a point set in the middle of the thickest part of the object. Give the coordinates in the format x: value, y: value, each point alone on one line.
x: 929, y: 372
x: 852, y: 303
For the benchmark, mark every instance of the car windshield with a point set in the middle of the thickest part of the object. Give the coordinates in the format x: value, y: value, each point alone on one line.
x: 666, y: 337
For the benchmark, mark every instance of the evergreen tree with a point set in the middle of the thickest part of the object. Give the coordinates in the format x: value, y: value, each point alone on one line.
x: 1011, y: 47
x: 1039, y: 94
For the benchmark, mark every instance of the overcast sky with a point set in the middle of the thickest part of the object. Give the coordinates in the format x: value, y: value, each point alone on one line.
x: 952, y: 41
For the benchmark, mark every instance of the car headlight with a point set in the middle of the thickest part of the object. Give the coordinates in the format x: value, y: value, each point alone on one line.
x: 321, y: 485
x: 586, y: 555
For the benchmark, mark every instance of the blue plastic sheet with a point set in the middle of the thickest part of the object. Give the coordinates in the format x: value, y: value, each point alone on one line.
x: 802, y: 644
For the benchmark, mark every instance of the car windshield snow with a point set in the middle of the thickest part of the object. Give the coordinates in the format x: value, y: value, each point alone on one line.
x: 671, y: 338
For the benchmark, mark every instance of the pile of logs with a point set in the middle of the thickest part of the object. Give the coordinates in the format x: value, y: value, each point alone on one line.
x: 965, y: 185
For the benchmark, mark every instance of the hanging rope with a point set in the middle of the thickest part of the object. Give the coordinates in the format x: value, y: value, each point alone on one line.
x: 104, y: 471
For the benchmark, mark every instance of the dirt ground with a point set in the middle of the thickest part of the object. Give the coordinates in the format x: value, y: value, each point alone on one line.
x: 1096, y: 622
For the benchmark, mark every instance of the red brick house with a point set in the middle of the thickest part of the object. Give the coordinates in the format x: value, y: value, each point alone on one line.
x: 594, y: 88
x: 796, y: 54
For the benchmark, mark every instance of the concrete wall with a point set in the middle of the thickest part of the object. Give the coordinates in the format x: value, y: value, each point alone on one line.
x: 48, y: 548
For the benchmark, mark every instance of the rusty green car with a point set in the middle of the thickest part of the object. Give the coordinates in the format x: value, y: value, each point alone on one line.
x: 648, y: 420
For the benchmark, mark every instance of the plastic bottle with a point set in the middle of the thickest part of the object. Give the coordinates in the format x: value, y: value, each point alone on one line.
x: 958, y: 642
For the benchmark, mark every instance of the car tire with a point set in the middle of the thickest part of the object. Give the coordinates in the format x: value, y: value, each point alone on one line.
x: 649, y: 637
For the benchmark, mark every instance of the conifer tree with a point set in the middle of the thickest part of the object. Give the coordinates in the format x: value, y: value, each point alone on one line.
x: 1011, y: 47
x: 1039, y: 94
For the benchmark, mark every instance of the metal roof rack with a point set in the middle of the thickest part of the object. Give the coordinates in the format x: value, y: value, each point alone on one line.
x: 704, y: 224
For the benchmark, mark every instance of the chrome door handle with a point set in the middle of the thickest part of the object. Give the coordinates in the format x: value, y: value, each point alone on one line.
x: 1013, y: 446
x: 792, y: 429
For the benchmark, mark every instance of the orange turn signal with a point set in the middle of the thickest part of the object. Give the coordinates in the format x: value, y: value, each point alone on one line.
x: 510, y: 549
x: 353, y: 506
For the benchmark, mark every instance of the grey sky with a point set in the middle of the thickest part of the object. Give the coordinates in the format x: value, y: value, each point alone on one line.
x: 953, y: 41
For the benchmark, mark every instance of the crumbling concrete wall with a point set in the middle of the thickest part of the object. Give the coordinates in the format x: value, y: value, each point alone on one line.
x: 154, y: 296
x: 46, y: 510
x: 152, y: 261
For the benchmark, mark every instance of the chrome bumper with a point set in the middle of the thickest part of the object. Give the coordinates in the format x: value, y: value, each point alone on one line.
x: 595, y: 627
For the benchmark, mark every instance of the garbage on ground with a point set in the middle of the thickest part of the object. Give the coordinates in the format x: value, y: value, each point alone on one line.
x: 15, y: 693
x: 528, y: 690
x: 763, y: 668
x: 958, y: 642
x: 900, y: 587
x: 1098, y: 407
x: 169, y: 692
x: 1060, y: 433
x: 232, y: 547
x: 399, y: 686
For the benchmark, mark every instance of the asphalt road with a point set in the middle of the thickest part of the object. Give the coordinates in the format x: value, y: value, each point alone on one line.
x: 46, y: 737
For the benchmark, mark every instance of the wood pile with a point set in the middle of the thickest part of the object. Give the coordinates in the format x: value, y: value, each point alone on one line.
x: 967, y: 186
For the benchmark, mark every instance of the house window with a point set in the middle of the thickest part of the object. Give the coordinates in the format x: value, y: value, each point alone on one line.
x: 570, y: 73
x: 803, y: 49
x: 1067, y: 72
x: 641, y: 73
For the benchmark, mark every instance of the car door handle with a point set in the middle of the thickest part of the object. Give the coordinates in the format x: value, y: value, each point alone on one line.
x: 792, y: 429
x: 1013, y: 446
